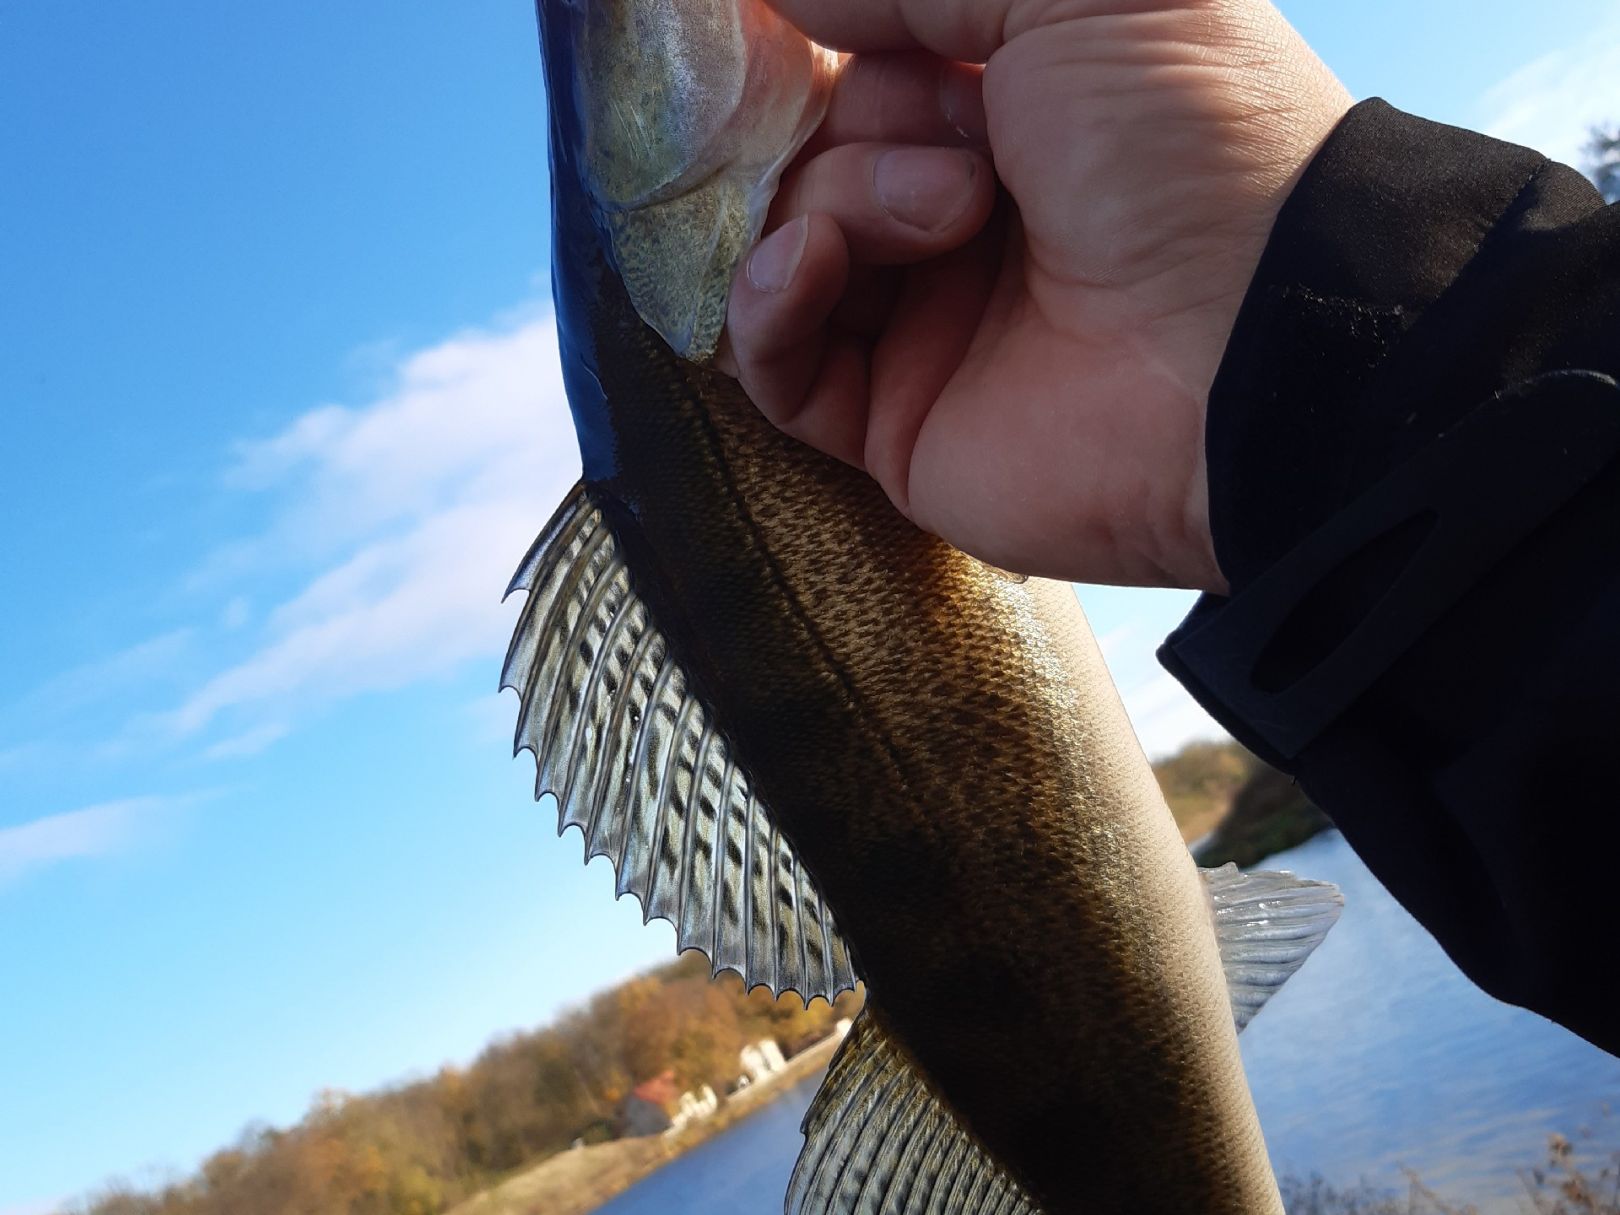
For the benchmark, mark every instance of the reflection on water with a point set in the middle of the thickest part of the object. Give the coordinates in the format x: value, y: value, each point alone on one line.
x: 1377, y: 1054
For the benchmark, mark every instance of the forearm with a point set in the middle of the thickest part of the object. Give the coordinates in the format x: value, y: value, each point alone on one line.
x: 1415, y: 496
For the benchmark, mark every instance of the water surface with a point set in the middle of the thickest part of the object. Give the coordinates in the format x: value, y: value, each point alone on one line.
x: 1380, y: 1053
x: 743, y: 1171
x: 1377, y: 1054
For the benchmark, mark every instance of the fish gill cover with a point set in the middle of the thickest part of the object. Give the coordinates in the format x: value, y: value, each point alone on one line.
x: 680, y: 118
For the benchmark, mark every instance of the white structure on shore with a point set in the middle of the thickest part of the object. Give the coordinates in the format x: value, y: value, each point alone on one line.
x: 762, y: 1060
x: 694, y: 1107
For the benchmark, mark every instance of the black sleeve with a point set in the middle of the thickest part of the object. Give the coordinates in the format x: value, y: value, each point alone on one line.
x: 1414, y: 465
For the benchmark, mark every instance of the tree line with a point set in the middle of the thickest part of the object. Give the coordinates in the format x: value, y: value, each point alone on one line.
x: 418, y: 1148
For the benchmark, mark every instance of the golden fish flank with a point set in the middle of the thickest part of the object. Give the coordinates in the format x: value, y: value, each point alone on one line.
x: 827, y: 746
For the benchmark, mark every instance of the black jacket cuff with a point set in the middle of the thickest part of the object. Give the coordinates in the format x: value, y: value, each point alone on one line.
x: 1420, y: 284
x: 1414, y: 464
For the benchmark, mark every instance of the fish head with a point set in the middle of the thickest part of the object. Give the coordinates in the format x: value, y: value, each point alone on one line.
x: 672, y: 121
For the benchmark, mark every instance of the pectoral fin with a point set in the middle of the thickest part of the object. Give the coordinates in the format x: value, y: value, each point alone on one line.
x: 879, y: 1142
x: 640, y: 765
x: 705, y: 233
x: 1267, y: 924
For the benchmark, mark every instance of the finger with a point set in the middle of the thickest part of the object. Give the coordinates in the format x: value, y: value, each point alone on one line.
x: 804, y: 375
x: 939, y: 309
x: 893, y: 204
x: 904, y: 97
x: 863, y: 310
x: 968, y: 30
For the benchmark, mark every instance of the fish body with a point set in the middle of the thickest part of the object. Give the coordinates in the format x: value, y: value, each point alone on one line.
x: 827, y: 745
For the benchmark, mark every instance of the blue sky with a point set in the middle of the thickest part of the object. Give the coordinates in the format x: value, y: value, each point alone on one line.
x: 280, y: 414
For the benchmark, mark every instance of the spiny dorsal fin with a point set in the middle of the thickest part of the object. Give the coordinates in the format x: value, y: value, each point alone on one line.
x: 639, y: 765
x: 1267, y: 925
x: 879, y: 1142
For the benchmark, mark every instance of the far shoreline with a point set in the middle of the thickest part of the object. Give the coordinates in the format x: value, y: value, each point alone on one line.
x: 579, y: 1181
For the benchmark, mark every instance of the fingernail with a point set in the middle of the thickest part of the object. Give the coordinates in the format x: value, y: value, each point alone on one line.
x: 924, y: 188
x: 772, y: 265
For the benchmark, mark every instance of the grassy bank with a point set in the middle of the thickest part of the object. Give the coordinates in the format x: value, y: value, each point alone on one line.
x: 1269, y: 814
x: 1576, y: 1177
x: 1233, y: 807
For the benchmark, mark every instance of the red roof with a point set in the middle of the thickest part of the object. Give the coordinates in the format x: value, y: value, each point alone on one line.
x: 660, y: 1090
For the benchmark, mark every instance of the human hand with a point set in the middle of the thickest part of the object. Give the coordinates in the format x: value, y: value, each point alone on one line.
x: 1025, y: 370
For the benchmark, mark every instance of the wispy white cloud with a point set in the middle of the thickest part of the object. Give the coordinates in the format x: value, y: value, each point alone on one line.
x: 93, y: 831
x: 1166, y: 717
x: 464, y: 418
x: 14, y: 756
x: 1551, y: 103
x: 102, y: 678
x: 391, y: 614
x: 75, y: 715
x: 248, y: 743
x: 236, y: 613
x: 421, y: 503
x: 1117, y: 641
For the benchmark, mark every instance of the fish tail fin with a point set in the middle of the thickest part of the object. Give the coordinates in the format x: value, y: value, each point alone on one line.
x: 1267, y: 924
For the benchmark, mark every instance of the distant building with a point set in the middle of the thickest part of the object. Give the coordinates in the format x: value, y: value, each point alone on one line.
x: 640, y: 1118
x: 646, y: 1109
x: 694, y: 1107
x: 762, y: 1060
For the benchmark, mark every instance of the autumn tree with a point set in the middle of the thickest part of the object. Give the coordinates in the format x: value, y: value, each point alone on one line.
x: 120, y: 1198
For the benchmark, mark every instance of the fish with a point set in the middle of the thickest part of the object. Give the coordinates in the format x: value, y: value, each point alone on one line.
x: 831, y: 749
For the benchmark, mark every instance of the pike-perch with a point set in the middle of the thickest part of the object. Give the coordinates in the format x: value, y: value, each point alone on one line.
x: 827, y: 746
